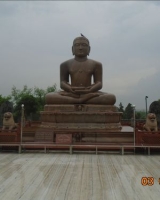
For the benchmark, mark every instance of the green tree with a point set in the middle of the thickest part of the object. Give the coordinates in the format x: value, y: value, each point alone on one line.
x: 33, y: 100
x: 155, y: 107
x: 140, y: 114
x: 128, y: 113
x: 31, y: 106
x: 3, y: 99
x: 40, y: 95
x: 17, y: 94
x: 121, y: 107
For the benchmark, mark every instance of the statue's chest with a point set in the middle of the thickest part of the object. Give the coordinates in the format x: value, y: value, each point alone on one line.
x: 81, y: 69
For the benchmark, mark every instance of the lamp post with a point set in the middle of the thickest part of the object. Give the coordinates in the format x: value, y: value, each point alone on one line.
x: 146, y: 97
x: 134, y: 122
x: 22, y: 119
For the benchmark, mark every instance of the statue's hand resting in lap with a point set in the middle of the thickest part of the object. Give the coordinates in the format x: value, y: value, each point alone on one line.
x: 81, y: 90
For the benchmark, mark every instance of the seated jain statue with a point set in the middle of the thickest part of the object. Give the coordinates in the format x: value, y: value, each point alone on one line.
x: 80, y: 70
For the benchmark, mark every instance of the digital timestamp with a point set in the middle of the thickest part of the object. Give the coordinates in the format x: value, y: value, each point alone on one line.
x: 148, y: 181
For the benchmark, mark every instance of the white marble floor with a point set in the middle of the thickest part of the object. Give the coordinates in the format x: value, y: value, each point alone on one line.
x: 37, y: 176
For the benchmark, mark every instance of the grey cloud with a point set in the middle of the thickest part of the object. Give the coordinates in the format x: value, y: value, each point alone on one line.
x: 37, y: 36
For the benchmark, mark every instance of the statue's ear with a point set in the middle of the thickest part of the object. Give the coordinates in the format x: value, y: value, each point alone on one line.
x: 89, y: 49
x: 72, y: 50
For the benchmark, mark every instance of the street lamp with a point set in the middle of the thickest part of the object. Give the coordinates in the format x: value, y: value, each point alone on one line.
x: 146, y: 97
x: 22, y: 119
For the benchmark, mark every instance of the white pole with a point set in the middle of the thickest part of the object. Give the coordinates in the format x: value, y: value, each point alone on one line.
x: 134, y: 123
x: 22, y: 118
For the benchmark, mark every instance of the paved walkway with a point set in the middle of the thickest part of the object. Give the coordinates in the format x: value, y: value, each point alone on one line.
x: 37, y: 176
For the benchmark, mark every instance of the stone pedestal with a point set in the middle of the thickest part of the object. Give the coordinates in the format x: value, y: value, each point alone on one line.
x: 81, y: 117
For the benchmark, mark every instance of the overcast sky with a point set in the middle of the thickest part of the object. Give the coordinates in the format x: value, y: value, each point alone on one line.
x: 36, y: 37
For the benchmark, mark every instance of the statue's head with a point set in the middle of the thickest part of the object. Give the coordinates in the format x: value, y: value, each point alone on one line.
x: 81, y: 47
x: 8, y: 119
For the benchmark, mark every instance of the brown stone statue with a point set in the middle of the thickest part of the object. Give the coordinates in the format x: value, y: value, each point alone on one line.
x: 8, y: 122
x: 80, y: 70
x: 151, y: 123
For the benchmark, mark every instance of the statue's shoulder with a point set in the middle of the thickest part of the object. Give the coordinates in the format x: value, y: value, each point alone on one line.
x: 94, y: 62
x: 67, y: 62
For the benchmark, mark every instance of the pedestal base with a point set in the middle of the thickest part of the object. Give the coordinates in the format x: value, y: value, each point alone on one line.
x: 81, y: 117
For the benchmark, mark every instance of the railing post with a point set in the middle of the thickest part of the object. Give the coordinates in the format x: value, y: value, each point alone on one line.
x: 134, y: 124
x: 22, y: 119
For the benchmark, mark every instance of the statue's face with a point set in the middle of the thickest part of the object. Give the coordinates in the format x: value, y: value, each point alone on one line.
x: 80, y: 48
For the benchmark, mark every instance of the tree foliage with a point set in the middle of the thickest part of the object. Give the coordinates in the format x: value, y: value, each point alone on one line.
x: 155, y: 107
x: 128, y: 113
x: 32, y: 98
x: 34, y: 101
x: 141, y: 114
x: 4, y: 99
x: 40, y: 94
x: 31, y: 106
x: 121, y: 107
